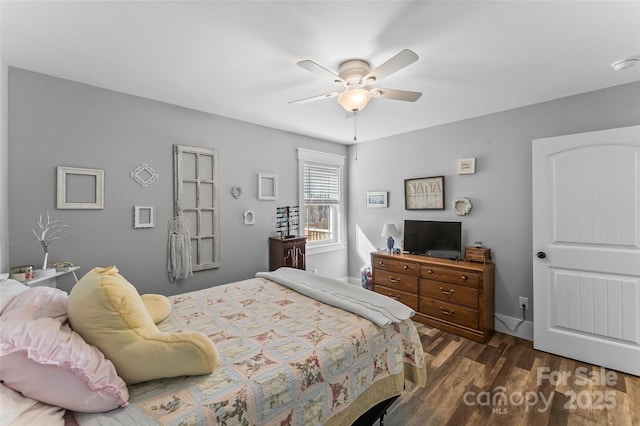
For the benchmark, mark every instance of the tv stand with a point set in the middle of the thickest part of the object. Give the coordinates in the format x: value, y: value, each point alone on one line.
x: 453, y: 295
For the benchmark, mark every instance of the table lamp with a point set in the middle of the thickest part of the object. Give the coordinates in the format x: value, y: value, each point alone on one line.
x: 389, y: 230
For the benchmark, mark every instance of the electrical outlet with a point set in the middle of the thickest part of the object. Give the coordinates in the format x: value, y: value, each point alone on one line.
x: 314, y: 272
x: 524, y: 301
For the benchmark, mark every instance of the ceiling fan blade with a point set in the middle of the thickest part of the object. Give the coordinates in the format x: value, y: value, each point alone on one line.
x: 316, y: 68
x: 399, y: 95
x: 315, y: 98
x: 399, y: 61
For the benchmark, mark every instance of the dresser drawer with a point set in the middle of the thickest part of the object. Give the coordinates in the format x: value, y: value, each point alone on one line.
x: 460, y: 277
x: 448, y: 312
x: 411, y: 300
x: 397, y: 266
x: 396, y: 281
x: 451, y: 293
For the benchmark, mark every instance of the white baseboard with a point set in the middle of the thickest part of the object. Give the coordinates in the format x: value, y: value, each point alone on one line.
x: 350, y: 280
x: 524, y: 331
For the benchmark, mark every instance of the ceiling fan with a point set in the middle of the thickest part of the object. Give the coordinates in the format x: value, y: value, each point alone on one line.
x: 359, y: 82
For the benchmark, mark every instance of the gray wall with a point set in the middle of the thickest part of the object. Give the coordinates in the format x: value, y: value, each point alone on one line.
x: 4, y: 167
x: 58, y: 122
x: 500, y: 191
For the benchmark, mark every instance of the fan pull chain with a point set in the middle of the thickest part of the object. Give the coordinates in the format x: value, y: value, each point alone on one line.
x: 355, y: 133
x: 355, y: 128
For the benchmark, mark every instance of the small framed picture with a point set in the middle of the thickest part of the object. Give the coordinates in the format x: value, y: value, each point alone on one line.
x: 377, y: 199
x: 466, y: 166
x: 267, y: 186
x: 144, y: 216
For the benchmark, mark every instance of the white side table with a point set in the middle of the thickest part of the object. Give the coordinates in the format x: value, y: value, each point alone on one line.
x: 50, y: 280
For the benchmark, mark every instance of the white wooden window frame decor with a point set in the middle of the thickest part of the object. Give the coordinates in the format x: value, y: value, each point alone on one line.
x: 144, y: 175
x: 200, y: 238
x: 97, y: 202
x: 467, y: 166
x: 139, y: 218
x: 377, y: 199
x: 267, y: 187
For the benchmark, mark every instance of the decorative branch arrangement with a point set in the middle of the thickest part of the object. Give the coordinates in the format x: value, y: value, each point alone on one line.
x: 287, y: 220
x: 47, y: 232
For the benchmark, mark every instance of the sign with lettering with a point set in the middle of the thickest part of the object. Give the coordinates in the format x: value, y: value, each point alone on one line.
x: 424, y: 193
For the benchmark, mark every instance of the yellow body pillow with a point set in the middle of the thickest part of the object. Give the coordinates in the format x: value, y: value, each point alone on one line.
x: 107, y: 311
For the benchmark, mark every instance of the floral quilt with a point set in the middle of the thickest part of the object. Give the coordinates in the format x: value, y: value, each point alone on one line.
x: 284, y: 359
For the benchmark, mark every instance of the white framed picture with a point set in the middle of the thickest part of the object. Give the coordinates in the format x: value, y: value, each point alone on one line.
x: 466, y: 166
x: 79, y: 188
x: 377, y: 199
x: 144, y: 216
x: 267, y: 187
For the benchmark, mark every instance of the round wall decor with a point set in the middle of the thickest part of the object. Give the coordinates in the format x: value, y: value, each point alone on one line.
x: 461, y: 206
x: 236, y: 192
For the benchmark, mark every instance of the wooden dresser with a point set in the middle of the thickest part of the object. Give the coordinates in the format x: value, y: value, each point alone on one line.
x: 287, y: 252
x: 455, y: 296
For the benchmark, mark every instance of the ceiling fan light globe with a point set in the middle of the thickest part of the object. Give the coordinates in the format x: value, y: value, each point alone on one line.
x: 354, y: 100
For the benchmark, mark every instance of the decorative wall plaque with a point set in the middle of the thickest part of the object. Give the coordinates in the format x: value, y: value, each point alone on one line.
x: 144, y: 175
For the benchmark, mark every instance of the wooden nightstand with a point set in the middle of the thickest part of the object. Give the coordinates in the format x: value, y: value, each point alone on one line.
x: 288, y: 252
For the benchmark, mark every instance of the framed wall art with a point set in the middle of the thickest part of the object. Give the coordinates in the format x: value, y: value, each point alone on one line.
x: 79, y: 188
x: 424, y: 193
x: 466, y: 166
x: 144, y: 216
x: 377, y: 199
x: 267, y: 187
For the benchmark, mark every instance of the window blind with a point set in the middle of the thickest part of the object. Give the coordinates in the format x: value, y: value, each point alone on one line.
x: 321, y: 184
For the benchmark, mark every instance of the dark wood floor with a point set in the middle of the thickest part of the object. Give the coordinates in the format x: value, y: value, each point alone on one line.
x: 507, y: 382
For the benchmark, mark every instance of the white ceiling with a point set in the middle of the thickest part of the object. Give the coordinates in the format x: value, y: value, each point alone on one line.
x: 238, y: 58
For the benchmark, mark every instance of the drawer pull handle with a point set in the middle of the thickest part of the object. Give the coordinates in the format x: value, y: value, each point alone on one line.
x: 448, y: 293
x: 394, y: 280
x: 381, y: 263
x: 429, y: 271
x: 406, y: 268
x: 444, y: 311
x: 464, y: 277
x: 394, y: 297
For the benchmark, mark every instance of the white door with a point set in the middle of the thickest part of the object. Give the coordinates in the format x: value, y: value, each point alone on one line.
x: 586, y: 247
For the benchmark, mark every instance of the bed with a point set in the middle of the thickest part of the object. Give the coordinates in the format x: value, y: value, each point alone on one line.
x: 284, y: 359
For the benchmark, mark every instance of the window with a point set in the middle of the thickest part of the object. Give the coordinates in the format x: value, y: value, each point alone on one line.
x: 321, y: 197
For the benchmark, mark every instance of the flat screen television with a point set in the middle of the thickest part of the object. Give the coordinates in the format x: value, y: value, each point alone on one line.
x: 433, y: 238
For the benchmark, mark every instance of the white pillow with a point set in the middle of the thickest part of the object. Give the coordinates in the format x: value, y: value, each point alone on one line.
x: 8, y: 290
x: 20, y: 410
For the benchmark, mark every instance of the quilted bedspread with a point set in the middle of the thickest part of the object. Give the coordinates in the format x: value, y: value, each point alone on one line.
x: 285, y: 359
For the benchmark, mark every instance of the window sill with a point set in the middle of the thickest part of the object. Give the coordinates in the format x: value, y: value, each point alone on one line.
x: 323, y: 248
